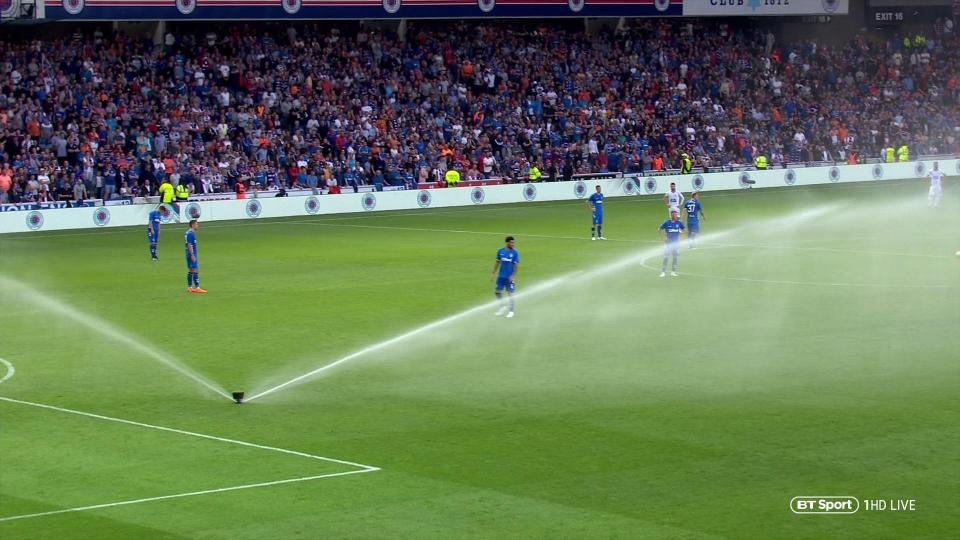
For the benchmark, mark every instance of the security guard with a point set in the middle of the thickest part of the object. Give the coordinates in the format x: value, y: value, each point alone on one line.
x: 686, y: 166
x: 182, y: 192
x: 760, y: 162
x: 166, y: 192
x: 888, y: 157
x: 903, y: 153
x: 452, y: 177
x: 535, y: 173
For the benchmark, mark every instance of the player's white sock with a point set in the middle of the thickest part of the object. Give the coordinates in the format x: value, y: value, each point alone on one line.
x: 510, y: 315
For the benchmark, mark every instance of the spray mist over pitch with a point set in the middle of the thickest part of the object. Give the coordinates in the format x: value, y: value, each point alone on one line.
x: 31, y: 295
x: 573, y: 280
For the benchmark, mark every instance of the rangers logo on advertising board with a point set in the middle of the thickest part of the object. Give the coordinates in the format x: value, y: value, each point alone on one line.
x: 834, y: 174
x: 291, y: 6
x: 73, y: 7
x: 424, y: 198
x: 830, y: 5
x: 186, y: 6
x: 486, y: 6
x: 630, y: 186
x: 193, y: 211
x: 579, y: 189
x: 311, y: 205
x: 9, y: 9
x: 253, y: 208
x: 368, y: 201
x: 744, y: 180
x: 529, y: 192
x: 877, y: 171
x: 391, y: 6
x: 789, y: 177
x: 650, y: 185
x: 661, y: 5
x: 477, y: 195
x: 697, y: 182
x: 34, y: 220
x: 576, y: 5
x: 166, y: 213
x: 920, y: 168
x: 101, y: 216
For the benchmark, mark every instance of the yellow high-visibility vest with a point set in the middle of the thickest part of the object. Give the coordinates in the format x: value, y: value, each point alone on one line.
x: 182, y: 192
x: 535, y: 174
x: 903, y: 153
x: 686, y: 166
x: 761, y: 162
x: 889, y: 158
x: 452, y: 177
x: 166, y: 192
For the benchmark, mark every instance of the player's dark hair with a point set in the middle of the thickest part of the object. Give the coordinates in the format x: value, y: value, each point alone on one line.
x: 508, y: 239
x: 192, y: 221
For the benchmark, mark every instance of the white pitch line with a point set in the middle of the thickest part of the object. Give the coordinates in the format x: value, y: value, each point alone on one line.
x: 190, y: 433
x: 181, y: 495
x: 10, y: 370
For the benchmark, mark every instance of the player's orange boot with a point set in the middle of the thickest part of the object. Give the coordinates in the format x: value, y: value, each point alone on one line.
x: 191, y: 289
x: 198, y: 290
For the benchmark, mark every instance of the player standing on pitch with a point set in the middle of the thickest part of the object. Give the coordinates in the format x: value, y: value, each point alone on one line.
x: 153, y: 231
x: 595, y: 203
x: 936, y: 185
x: 670, y: 232
x: 193, y: 265
x: 673, y: 199
x: 508, y: 260
x: 694, y: 214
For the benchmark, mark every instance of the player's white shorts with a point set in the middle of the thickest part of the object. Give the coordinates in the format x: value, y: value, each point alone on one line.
x: 935, y: 191
x: 672, y: 209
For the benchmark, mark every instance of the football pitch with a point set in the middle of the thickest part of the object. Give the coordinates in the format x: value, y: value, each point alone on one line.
x: 809, y: 347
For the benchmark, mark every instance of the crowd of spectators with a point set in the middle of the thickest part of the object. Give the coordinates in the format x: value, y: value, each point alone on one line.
x: 97, y: 113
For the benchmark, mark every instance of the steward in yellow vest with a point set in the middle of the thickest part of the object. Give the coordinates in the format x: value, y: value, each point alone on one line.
x: 535, y: 174
x: 183, y: 192
x: 452, y: 177
x: 166, y: 192
x: 760, y: 162
x: 686, y: 166
x: 903, y: 153
x: 889, y: 155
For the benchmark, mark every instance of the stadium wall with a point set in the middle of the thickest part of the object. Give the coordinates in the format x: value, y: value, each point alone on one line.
x: 19, y: 221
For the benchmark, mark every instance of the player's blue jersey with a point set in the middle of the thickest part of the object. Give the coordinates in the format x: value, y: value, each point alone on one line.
x: 190, y: 240
x: 153, y: 224
x: 597, y: 201
x: 673, y: 230
x: 693, y: 210
x: 508, y: 258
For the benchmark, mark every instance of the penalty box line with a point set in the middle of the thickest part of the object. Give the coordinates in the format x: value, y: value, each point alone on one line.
x: 360, y: 467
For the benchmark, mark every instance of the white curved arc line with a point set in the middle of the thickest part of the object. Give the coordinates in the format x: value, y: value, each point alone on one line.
x: 10, y: 370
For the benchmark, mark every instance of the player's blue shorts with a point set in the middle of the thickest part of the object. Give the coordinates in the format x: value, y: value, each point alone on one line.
x: 693, y: 226
x: 505, y: 283
x: 191, y: 265
x: 598, y: 218
x: 152, y: 238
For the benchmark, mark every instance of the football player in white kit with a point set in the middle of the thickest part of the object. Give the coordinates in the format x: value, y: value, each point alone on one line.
x: 673, y: 200
x: 936, y: 185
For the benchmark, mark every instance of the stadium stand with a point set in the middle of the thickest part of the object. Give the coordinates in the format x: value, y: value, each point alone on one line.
x: 304, y: 105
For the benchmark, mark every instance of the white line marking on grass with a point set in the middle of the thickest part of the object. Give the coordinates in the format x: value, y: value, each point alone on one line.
x: 10, y: 370
x: 361, y: 468
x: 188, y: 433
x: 181, y: 495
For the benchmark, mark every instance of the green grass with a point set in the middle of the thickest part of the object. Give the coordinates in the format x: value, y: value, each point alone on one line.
x: 794, y: 355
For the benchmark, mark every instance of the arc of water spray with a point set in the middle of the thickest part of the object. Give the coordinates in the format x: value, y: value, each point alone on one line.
x: 794, y: 219
x: 108, y: 330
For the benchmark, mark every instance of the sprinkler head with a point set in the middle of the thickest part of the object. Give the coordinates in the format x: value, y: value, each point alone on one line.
x: 238, y: 397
